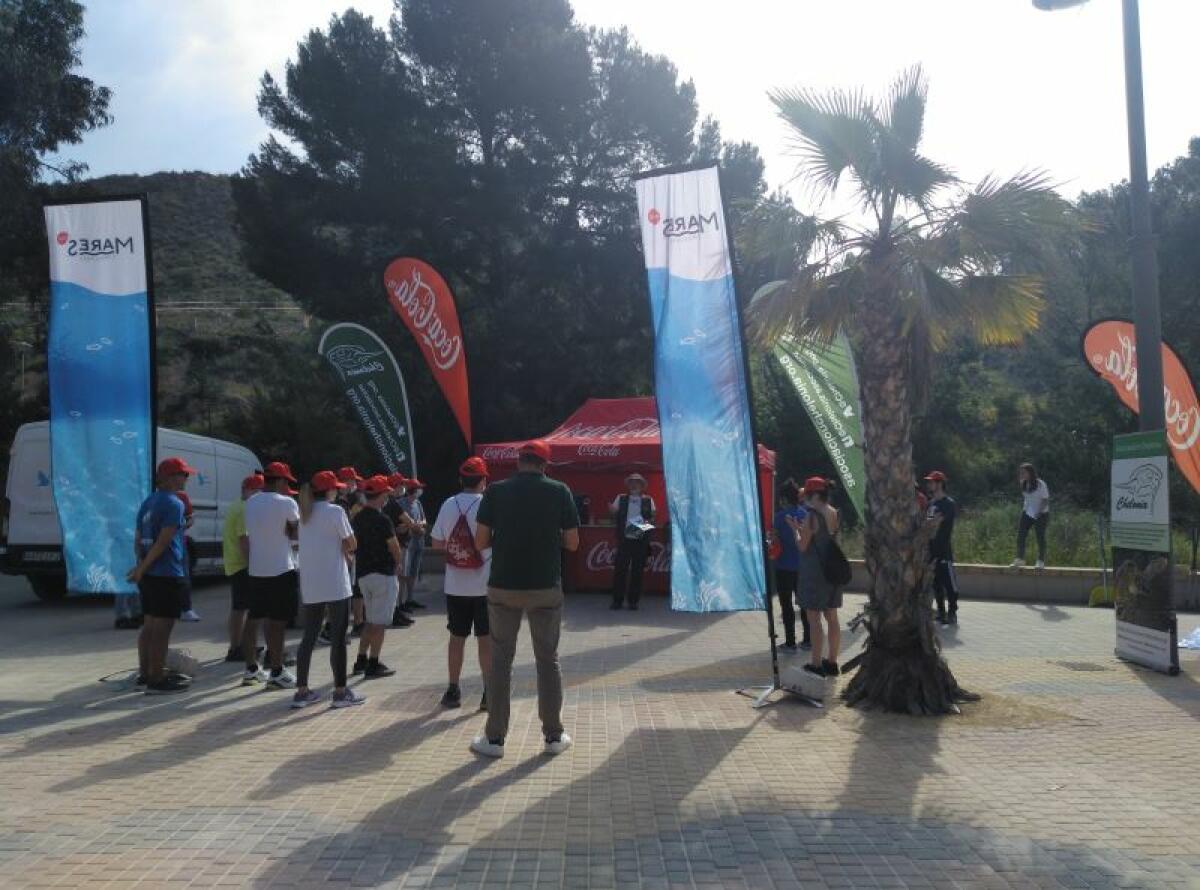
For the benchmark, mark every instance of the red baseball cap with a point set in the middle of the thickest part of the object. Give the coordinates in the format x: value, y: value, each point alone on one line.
x: 187, y: 502
x: 414, y: 482
x: 378, y: 484
x: 279, y: 470
x: 397, y: 480
x: 815, y: 483
x: 175, y: 466
x: 936, y: 476
x: 255, y: 482
x: 326, y: 480
x: 473, y: 466
x: 538, y: 448
x: 349, y: 474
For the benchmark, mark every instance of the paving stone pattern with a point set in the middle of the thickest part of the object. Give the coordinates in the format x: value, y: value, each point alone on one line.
x: 1076, y: 770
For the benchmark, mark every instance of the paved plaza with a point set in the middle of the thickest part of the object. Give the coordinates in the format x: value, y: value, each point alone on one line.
x: 1076, y: 770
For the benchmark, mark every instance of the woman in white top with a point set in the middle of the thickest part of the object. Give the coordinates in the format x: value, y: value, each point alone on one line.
x: 326, y: 548
x: 1035, y: 514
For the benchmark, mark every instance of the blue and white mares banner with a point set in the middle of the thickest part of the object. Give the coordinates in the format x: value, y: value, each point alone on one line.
x: 703, y: 404
x: 101, y: 399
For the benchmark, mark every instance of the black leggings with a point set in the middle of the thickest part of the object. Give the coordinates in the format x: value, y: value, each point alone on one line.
x: 1039, y: 528
x: 785, y: 589
x: 314, y: 617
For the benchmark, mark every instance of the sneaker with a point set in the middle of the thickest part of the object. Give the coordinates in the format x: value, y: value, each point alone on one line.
x: 402, y: 620
x: 189, y: 615
x: 347, y: 699
x: 377, y: 669
x: 806, y: 645
x: 815, y: 670
x: 558, y: 745
x: 360, y: 665
x: 403, y: 607
x: 165, y: 686
x: 304, y: 699
x: 283, y: 680
x: 790, y: 646
x: 233, y: 654
x: 254, y: 677
x: 1016, y: 563
x: 830, y: 668
x: 1040, y: 564
x: 452, y: 698
x: 176, y: 675
x: 414, y: 604
x: 483, y: 702
x: 481, y: 744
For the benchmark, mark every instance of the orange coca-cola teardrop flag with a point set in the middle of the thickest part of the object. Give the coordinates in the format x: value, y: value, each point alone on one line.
x: 1108, y: 348
x: 424, y: 303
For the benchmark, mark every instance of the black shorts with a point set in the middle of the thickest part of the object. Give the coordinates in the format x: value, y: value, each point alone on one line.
x: 275, y: 598
x: 162, y: 595
x: 239, y: 590
x: 463, y: 612
x: 355, y: 593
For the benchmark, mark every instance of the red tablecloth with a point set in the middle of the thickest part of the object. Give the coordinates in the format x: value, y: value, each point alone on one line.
x: 591, y: 566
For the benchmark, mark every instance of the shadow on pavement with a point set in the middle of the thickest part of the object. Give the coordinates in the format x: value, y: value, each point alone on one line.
x: 1049, y: 612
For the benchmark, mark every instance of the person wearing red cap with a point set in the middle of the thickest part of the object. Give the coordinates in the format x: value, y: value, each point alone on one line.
x: 161, y: 574
x: 527, y: 521
x: 235, y: 552
x: 327, y: 546
x: 465, y: 581
x: 404, y: 526
x: 272, y: 519
x: 376, y: 562
x: 815, y: 594
x: 351, y: 500
x: 942, y: 510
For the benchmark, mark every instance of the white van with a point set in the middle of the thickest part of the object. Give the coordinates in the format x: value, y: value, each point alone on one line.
x: 32, y: 540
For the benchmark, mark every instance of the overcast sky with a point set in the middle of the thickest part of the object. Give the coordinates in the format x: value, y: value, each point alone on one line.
x: 1011, y: 87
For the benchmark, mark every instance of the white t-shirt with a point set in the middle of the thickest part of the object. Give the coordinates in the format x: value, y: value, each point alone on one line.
x: 324, y: 576
x: 1033, y: 500
x: 267, y: 516
x: 462, y: 582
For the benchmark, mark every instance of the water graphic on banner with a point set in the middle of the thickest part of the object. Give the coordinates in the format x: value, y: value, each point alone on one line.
x: 700, y: 382
x: 99, y: 367
x: 372, y: 381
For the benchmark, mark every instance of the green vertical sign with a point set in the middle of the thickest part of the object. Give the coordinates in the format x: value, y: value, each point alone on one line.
x: 372, y: 382
x: 826, y: 381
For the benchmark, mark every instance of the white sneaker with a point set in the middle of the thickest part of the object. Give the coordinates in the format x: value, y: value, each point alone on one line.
x: 255, y: 678
x: 189, y: 615
x: 481, y: 745
x: 564, y: 742
x: 1040, y: 564
x: 1016, y: 564
x: 285, y: 679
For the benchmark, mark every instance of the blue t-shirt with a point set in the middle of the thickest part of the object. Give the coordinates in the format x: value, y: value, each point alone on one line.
x: 789, y: 558
x: 158, y: 511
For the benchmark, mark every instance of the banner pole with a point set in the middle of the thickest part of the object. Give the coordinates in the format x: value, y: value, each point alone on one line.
x: 152, y: 321
x: 768, y: 575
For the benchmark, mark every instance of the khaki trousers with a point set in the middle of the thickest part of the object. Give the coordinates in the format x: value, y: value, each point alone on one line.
x: 544, y: 608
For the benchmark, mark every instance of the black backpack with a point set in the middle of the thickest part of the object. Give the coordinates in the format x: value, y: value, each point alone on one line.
x: 834, y: 565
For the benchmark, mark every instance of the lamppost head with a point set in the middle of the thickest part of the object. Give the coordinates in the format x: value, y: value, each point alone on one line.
x: 1052, y: 5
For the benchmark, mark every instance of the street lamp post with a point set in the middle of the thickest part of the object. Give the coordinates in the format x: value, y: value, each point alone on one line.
x: 1146, y: 321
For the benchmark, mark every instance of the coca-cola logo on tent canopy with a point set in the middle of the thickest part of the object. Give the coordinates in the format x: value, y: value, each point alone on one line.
x: 422, y: 299
x: 1110, y: 351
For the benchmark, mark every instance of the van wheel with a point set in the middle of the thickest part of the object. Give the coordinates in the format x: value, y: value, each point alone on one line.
x: 48, y: 587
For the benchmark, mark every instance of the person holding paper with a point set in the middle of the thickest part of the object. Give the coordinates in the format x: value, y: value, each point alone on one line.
x: 633, y: 513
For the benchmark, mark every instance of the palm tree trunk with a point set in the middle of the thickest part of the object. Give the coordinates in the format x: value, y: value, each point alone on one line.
x: 902, y: 668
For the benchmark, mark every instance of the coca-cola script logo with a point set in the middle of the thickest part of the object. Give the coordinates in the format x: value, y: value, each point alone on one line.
x: 353, y: 361
x: 1120, y: 366
x: 599, y: 450
x: 603, y: 556
x: 415, y: 298
x: 635, y: 428
x: 498, y: 452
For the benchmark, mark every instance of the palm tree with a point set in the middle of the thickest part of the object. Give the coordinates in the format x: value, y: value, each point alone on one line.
x: 936, y: 260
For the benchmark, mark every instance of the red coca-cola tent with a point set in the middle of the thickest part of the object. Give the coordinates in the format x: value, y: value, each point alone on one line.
x: 592, y: 451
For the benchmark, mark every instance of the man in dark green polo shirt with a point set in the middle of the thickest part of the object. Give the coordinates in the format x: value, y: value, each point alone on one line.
x: 527, y: 521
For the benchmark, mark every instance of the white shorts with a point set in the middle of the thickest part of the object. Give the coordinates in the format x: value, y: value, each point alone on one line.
x: 380, y: 595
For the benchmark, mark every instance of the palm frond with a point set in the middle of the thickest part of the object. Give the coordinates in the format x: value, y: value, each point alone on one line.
x: 832, y: 132
x: 993, y: 310
x: 816, y: 302
x: 903, y: 114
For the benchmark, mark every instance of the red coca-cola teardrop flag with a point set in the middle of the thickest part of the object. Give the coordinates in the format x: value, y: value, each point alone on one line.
x: 422, y: 299
x: 1109, y: 350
